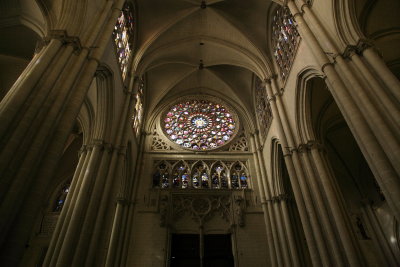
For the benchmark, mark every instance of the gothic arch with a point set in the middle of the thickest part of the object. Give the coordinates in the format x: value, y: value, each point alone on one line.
x: 104, y: 104
x: 304, y: 125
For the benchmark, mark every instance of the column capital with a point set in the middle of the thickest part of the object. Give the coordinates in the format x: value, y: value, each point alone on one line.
x: 302, y: 148
x: 82, y: 150
x: 65, y: 39
x: 280, y: 198
x: 288, y: 151
x: 349, y: 51
x: 313, y: 144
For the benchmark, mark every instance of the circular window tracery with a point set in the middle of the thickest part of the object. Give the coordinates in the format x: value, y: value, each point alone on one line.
x: 200, y: 124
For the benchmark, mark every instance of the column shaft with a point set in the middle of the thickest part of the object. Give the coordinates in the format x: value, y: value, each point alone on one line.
x: 350, y: 245
x: 309, y: 204
x: 74, y: 226
x: 312, y: 245
x: 272, y: 243
x: 382, y: 167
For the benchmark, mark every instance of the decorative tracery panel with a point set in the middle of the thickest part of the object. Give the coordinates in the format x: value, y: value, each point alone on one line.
x: 263, y: 108
x: 200, y: 123
x: 285, y: 38
x: 203, y: 174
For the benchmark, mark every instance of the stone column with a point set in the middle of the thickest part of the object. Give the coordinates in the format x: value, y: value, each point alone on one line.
x: 382, y: 163
x: 77, y: 218
x: 81, y: 248
x: 334, y: 200
x: 314, y: 249
x: 117, y: 158
x: 313, y: 182
x: 36, y: 127
x: 383, y: 159
x: 271, y: 233
x: 379, y: 66
x: 289, y: 230
x: 282, y: 233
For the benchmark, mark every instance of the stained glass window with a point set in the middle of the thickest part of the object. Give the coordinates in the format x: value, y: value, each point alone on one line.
x: 263, y: 108
x: 201, y: 175
x: 285, y: 38
x: 219, y: 177
x: 123, y: 38
x: 138, y: 112
x: 238, y: 176
x: 161, y: 176
x: 180, y: 177
x: 200, y: 124
x: 62, y: 196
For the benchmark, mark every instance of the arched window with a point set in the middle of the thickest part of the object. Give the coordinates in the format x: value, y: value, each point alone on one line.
x: 239, y: 176
x: 161, y: 176
x: 285, y: 38
x: 263, y: 108
x: 219, y: 178
x: 180, y: 176
x: 123, y: 38
x: 62, y: 196
x: 200, y: 177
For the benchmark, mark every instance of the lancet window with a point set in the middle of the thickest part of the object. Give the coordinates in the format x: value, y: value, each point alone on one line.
x: 138, y: 112
x: 200, y: 174
x: 123, y: 38
x: 263, y: 108
x: 285, y: 38
x: 61, y: 197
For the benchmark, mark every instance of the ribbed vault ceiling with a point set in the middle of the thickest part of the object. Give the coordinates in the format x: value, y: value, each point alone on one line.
x: 183, y: 48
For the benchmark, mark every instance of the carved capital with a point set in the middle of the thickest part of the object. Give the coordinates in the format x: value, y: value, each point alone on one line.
x: 288, y: 151
x: 302, y: 148
x: 63, y: 36
x: 349, y: 51
x: 315, y: 145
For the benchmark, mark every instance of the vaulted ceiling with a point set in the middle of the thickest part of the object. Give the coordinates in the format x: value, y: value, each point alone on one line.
x: 213, y: 47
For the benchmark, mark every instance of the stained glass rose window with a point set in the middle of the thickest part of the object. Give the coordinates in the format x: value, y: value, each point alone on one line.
x: 200, y: 124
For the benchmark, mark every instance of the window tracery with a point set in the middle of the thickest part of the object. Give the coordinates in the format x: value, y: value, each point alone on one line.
x: 199, y: 124
x: 285, y: 38
x: 240, y: 144
x: 201, y: 175
x: 263, y: 108
x: 123, y: 38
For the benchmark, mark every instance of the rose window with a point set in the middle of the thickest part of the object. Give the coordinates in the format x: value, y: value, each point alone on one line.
x: 200, y: 124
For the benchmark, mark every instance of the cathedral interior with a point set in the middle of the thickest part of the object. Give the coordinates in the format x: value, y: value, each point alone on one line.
x: 207, y: 133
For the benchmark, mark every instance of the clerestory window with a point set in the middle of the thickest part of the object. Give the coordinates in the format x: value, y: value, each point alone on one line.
x: 203, y: 174
x: 285, y: 38
x: 123, y: 38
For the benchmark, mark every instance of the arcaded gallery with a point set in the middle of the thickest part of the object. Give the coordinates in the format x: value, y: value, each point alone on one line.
x: 199, y: 133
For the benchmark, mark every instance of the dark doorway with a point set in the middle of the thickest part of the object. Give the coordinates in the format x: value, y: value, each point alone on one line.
x: 218, y: 251
x: 185, y: 251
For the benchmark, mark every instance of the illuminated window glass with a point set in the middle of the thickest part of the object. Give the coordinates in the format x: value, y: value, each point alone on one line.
x: 201, y: 175
x: 239, y: 176
x: 284, y: 40
x: 62, y: 196
x: 200, y: 124
x: 138, y: 112
x: 123, y: 38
